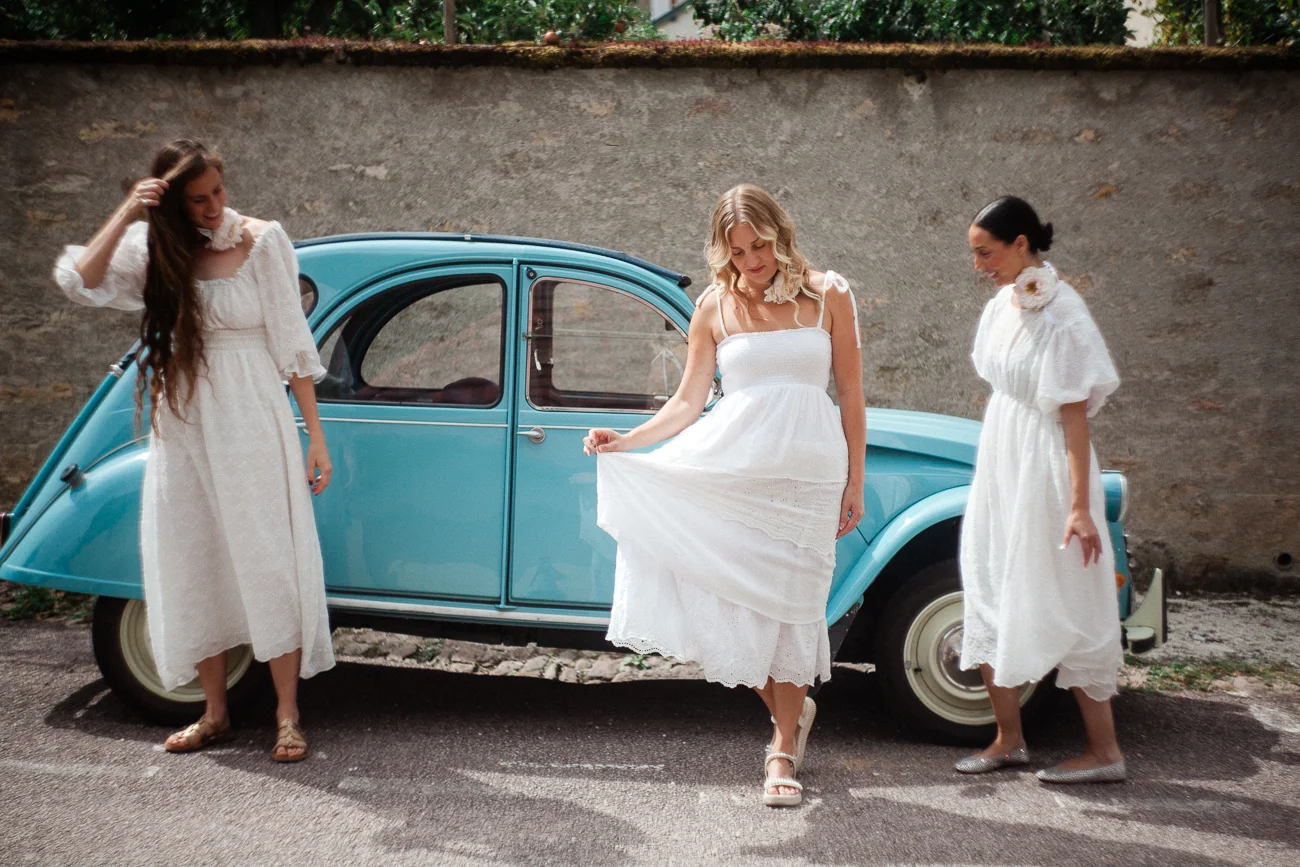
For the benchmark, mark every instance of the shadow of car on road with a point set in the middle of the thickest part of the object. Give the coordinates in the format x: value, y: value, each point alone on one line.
x: 423, y: 749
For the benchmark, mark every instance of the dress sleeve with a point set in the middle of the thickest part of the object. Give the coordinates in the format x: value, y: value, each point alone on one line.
x: 290, y: 341
x: 979, y: 352
x: 1076, y: 367
x: 123, y: 283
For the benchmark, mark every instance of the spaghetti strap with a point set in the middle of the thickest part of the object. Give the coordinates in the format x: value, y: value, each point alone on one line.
x: 722, y: 319
x: 821, y: 302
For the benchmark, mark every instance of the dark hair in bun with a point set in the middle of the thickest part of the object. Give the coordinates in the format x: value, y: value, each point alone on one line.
x: 1008, y: 218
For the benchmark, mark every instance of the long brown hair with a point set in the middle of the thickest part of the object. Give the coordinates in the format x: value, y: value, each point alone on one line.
x: 171, y: 330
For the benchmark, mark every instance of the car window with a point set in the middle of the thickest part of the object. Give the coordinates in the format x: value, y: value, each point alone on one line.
x: 433, y: 341
x: 595, y: 347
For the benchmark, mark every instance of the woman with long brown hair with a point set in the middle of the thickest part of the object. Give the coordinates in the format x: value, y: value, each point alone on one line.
x: 228, y: 539
x: 726, y: 535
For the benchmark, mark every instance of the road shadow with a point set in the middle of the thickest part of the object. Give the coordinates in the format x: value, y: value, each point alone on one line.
x: 417, y: 747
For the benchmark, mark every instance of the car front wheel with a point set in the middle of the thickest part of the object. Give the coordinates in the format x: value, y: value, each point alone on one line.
x: 918, y: 658
x: 120, y: 637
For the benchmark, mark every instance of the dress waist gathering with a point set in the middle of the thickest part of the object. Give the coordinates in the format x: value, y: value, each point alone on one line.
x: 235, y: 339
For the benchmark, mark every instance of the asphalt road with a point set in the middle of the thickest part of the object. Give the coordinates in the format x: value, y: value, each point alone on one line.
x: 425, y: 767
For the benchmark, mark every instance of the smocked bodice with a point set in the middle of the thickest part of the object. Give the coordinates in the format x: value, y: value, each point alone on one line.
x: 792, y: 356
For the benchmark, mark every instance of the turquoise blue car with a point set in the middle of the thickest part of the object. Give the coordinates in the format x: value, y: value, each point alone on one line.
x: 463, y: 371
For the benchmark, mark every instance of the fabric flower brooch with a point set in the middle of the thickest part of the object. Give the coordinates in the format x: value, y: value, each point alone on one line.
x: 778, y: 292
x: 228, y: 235
x: 1035, y: 287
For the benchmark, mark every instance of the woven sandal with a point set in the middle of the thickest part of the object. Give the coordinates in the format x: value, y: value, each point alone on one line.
x: 196, y: 736
x: 771, y: 799
x: 806, y: 717
x: 289, y: 737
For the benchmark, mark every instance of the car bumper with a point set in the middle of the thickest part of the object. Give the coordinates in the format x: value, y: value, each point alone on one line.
x: 1146, y: 628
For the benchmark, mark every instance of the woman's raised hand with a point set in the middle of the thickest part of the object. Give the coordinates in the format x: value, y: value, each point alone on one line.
x: 1080, y: 524
x: 602, y: 439
x: 146, y: 193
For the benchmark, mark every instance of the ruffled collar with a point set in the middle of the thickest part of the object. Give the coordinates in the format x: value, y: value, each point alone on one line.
x: 1034, y: 288
x: 228, y: 235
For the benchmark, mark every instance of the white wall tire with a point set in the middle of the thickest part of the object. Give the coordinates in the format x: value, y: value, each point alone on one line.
x: 120, y: 636
x: 918, y: 659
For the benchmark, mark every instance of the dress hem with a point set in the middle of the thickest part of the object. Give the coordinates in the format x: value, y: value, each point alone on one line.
x: 644, y: 645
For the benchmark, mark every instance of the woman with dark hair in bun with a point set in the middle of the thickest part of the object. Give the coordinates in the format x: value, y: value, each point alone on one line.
x: 1036, y: 570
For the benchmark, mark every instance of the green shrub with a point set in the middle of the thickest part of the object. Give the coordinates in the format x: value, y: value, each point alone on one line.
x: 1245, y: 22
x: 481, y: 21
x: 1057, y: 22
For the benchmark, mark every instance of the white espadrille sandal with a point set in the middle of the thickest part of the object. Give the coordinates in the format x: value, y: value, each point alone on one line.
x: 771, y: 799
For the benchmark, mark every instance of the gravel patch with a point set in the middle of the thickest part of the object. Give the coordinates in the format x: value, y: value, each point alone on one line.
x: 1232, y: 627
x: 1201, y: 628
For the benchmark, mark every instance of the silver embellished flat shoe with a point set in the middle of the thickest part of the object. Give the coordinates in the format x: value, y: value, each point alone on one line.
x: 1112, y: 773
x: 984, y: 764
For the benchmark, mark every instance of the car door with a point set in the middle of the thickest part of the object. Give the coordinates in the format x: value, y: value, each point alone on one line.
x: 415, y: 408
x: 596, y: 351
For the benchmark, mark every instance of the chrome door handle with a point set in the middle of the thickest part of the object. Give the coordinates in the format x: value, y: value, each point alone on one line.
x: 536, y: 434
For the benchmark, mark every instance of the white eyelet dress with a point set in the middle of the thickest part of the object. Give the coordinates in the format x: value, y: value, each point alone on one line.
x: 227, y: 534
x: 726, y: 533
x: 1031, y: 606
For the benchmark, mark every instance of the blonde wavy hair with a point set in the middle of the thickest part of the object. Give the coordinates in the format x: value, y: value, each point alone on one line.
x: 748, y: 203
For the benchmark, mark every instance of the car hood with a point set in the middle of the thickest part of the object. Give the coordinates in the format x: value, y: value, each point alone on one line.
x: 927, y: 433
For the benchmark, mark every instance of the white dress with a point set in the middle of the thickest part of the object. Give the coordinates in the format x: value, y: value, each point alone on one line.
x: 1031, y: 606
x: 227, y: 534
x: 726, y: 534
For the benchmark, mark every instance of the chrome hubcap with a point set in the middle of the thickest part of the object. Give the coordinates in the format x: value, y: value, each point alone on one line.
x: 932, y: 658
x: 133, y: 636
x: 948, y: 663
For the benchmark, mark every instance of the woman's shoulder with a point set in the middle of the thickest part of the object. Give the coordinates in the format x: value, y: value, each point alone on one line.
x: 264, y: 235
x: 1068, y: 307
x: 823, y: 281
x: 255, y: 228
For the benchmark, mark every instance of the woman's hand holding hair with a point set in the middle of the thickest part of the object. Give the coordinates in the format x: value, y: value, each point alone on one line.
x: 145, y: 193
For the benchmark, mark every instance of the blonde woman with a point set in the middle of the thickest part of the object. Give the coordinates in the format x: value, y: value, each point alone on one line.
x: 726, y: 535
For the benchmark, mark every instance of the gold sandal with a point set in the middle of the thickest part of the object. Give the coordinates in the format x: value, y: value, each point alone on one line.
x: 196, y: 736
x: 289, y: 737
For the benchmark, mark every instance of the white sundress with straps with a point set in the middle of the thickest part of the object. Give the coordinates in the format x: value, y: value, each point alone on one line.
x: 726, y: 533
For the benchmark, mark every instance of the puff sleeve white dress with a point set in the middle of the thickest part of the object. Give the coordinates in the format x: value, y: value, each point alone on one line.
x: 1031, y: 606
x: 228, y: 537
x: 726, y: 533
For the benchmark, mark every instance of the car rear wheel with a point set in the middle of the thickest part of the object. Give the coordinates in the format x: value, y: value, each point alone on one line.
x: 120, y: 637
x: 918, y: 657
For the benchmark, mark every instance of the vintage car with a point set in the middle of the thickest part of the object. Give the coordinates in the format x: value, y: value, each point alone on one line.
x: 463, y: 371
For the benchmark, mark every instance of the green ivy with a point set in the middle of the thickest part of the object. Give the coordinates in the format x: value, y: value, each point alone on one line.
x: 1056, y: 22
x: 477, y: 21
x: 1245, y: 22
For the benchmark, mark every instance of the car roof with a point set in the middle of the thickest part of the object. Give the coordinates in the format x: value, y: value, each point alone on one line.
x: 681, y: 280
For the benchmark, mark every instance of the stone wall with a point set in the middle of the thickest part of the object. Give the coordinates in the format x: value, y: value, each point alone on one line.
x: 1175, y: 195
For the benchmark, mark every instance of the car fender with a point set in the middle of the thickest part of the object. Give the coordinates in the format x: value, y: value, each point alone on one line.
x: 915, y: 519
x: 87, y: 538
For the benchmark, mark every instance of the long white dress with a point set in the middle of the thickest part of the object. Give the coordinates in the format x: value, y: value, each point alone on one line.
x: 227, y: 534
x: 726, y: 533
x: 1031, y: 606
